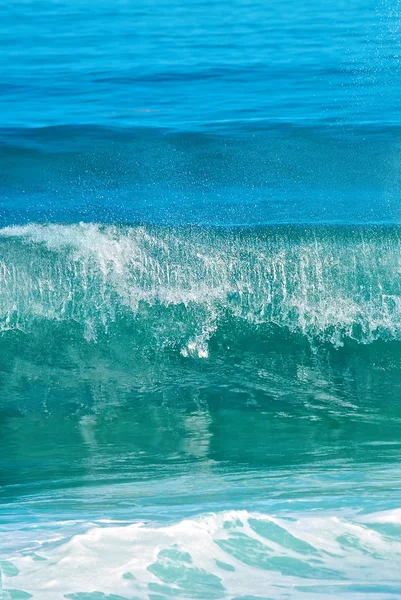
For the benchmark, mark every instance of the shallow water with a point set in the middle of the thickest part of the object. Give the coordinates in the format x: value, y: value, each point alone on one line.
x: 200, y: 301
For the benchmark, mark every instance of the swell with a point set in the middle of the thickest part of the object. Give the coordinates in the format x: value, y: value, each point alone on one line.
x: 179, y: 286
x: 241, y: 173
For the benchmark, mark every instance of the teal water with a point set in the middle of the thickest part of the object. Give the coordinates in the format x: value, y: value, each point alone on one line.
x: 200, y: 412
x: 200, y: 300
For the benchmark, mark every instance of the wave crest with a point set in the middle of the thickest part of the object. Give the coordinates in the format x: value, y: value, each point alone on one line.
x: 179, y: 284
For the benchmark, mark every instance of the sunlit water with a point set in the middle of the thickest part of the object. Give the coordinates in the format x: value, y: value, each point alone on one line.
x: 200, y: 301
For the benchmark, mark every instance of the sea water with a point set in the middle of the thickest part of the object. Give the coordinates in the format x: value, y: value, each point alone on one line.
x: 200, y: 300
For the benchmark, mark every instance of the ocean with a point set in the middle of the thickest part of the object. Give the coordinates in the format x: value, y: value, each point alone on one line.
x: 200, y: 300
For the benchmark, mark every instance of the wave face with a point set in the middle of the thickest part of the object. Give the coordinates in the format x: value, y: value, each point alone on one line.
x: 199, y: 412
x: 178, y: 287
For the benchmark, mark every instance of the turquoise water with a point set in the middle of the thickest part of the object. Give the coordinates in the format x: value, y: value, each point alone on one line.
x: 200, y: 301
x: 184, y: 409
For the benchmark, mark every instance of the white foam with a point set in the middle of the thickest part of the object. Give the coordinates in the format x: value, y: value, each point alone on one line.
x: 330, y: 287
x: 229, y: 554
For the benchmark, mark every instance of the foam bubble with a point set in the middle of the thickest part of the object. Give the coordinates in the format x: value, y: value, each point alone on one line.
x: 328, y: 285
x: 232, y: 554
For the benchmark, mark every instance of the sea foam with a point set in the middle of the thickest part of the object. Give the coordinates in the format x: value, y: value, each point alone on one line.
x: 180, y: 284
x: 233, y: 554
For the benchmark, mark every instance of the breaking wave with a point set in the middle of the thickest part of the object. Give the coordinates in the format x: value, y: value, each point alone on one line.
x: 178, y: 285
x: 232, y: 554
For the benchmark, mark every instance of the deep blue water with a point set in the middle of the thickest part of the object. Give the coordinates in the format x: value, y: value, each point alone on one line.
x: 199, y: 66
x: 200, y: 300
x: 222, y: 113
